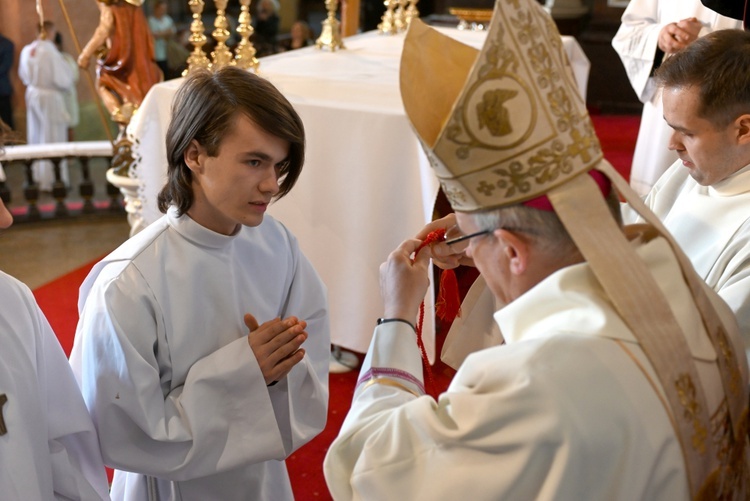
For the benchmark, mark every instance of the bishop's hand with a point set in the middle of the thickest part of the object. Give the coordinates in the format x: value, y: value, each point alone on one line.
x: 444, y: 256
x: 403, y: 281
x: 276, y: 345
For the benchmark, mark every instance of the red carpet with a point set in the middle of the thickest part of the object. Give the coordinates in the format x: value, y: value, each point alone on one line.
x: 58, y: 300
x: 617, y: 135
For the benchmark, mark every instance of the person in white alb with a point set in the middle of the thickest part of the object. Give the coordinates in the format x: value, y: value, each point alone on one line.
x: 203, y: 341
x: 651, y: 31
x: 704, y: 197
x: 48, y: 443
x: 621, y: 376
x: 71, y: 95
x: 47, y: 77
x: 162, y: 29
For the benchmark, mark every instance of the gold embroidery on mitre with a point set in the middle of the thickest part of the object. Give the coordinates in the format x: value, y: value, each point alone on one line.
x: 453, y: 191
x: 497, y: 76
x: 687, y: 394
x: 516, y: 131
x: 455, y: 195
x: 492, y: 114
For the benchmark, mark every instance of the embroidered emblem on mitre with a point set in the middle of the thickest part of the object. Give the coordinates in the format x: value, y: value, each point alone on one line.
x: 504, y: 124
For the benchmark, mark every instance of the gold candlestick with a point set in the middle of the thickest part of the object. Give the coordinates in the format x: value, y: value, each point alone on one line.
x: 399, y: 16
x: 197, y: 39
x: 411, y: 12
x: 330, y: 35
x: 387, y: 22
x: 221, y: 55
x: 244, y: 56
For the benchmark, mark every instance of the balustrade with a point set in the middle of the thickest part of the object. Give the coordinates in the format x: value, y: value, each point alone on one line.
x: 82, y: 158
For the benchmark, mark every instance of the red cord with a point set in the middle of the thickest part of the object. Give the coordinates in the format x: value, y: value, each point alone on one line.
x: 447, y: 307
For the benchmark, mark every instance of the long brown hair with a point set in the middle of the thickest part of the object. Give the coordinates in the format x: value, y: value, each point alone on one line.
x: 204, y: 109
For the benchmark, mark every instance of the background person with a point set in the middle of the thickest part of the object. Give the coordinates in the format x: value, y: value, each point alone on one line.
x: 6, y: 89
x: 704, y: 197
x: 266, y: 26
x: 71, y: 95
x: 47, y: 77
x: 162, y: 29
x: 300, y: 35
x: 651, y: 31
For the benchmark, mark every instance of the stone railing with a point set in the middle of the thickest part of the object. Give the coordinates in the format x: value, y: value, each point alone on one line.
x: 87, y: 163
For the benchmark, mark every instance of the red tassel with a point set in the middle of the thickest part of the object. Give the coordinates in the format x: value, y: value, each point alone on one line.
x: 448, y: 304
x: 447, y: 307
x: 432, y: 237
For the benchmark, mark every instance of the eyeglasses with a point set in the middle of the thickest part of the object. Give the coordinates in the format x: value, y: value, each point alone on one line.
x: 467, y: 237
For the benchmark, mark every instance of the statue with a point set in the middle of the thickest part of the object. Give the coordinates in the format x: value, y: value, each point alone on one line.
x: 126, y: 68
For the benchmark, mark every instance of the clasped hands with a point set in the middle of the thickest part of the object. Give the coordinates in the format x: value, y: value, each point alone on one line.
x: 404, y: 277
x: 276, y: 345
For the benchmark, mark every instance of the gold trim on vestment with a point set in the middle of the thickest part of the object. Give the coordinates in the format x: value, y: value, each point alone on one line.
x: 388, y: 382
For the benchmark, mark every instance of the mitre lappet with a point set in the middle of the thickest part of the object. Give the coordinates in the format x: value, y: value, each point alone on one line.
x: 506, y: 125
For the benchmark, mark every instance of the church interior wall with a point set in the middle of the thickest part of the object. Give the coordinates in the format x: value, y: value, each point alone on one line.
x: 608, y: 85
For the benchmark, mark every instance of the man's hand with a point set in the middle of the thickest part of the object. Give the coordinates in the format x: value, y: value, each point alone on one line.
x: 276, y: 345
x: 403, y: 284
x: 677, y: 36
x: 444, y: 256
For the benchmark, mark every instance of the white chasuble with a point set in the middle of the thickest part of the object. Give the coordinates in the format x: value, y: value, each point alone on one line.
x: 568, y: 409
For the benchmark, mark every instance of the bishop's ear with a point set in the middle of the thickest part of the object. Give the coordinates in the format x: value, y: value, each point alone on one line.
x: 516, y: 250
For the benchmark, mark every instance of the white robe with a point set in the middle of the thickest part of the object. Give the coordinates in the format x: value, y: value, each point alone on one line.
x: 71, y: 95
x: 47, y: 77
x: 636, y: 44
x: 50, y: 450
x: 162, y: 356
x: 712, y: 225
x: 561, y: 411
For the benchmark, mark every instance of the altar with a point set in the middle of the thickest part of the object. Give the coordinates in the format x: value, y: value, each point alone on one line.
x: 366, y: 185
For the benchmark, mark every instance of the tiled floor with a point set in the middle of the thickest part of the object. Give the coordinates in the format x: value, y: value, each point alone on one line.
x: 37, y: 253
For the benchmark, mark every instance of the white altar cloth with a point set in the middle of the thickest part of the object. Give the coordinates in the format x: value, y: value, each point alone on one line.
x: 366, y: 185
